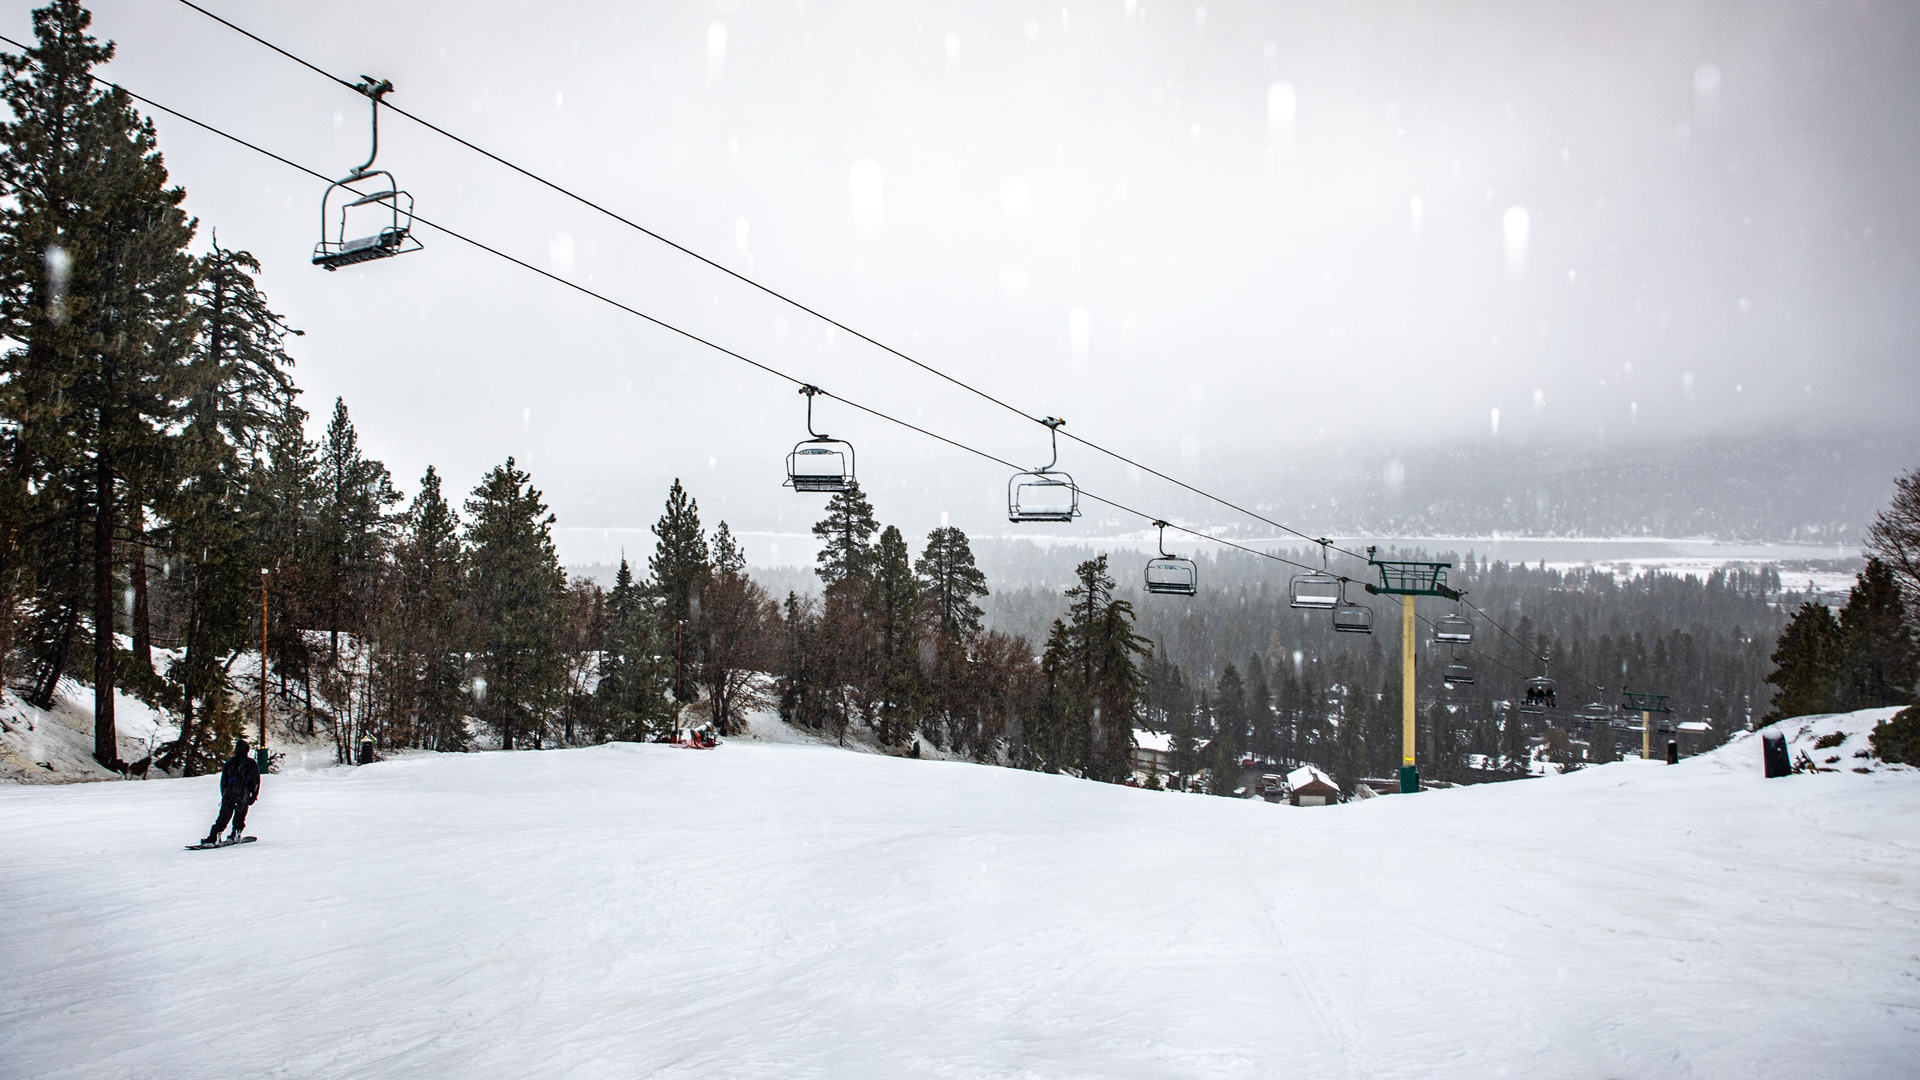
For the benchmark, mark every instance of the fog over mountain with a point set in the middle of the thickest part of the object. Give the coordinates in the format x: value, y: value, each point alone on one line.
x: 1629, y: 268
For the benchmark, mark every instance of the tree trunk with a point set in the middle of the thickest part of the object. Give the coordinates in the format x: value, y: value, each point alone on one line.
x: 56, y: 666
x: 106, y: 742
x: 137, y: 568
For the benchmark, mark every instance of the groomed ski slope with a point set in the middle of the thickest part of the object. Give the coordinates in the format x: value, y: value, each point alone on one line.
x: 794, y: 910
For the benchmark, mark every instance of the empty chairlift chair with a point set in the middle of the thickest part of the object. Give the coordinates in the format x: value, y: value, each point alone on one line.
x: 1171, y: 573
x: 1317, y: 590
x: 821, y: 463
x: 384, y: 214
x: 1349, y: 617
x: 1452, y: 630
x: 1046, y: 493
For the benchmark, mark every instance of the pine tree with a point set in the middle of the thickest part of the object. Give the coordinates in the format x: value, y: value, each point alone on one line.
x: 94, y: 280
x: 1104, y: 677
x: 1263, y: 737
x: 236, y: 390
x: 426, y: 635
x: 1184, y: 747
x: 1807, y: 663
x: 1880, y: 658
x: 680, y: 564
x: 634, y: 674
x: 355, y: 492
x: 847, y: 530
x: 894, y: 600
x: 949, y: 580
x: 516, y: 589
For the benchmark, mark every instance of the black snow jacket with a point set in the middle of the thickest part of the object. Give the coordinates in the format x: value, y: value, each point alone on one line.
x: 240, y: 779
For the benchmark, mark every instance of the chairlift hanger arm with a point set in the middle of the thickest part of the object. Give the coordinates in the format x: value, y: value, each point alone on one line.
x: 374, y: 89
x: 811, y: 391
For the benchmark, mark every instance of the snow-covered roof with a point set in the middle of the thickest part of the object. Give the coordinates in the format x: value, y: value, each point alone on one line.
x: 1307, y: 774
x: 1152, y: 740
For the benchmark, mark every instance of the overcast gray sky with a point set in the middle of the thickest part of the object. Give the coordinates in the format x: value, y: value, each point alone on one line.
x: 1209, y: 233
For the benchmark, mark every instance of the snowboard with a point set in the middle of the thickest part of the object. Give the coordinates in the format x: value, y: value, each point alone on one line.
x: 222, y: 843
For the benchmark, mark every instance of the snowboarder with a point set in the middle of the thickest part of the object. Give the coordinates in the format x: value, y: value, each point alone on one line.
x: 239, y: 787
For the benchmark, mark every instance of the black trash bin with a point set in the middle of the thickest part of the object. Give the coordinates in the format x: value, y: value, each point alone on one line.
x: 366, y: 751
x: 1773, y: 751
x: 1673, y: 751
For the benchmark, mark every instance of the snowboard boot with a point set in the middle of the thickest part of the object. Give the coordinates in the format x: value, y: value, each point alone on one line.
x: 210, y: 841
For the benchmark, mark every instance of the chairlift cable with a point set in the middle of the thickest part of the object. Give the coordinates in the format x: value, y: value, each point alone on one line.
x: 869, y: 410
x: 1151, y: 518
x: 729, y: 352
x: 770, y: 291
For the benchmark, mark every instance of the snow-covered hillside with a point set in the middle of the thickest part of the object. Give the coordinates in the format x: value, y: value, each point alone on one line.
x: 768, y: 909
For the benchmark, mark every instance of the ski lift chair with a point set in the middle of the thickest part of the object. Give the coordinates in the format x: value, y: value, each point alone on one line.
x: 1453, y: 630
x: 1046, y: 493
x: 1318, y: 590
x: 821, y: 463
x: 1351, y: 618
x: 1171, y: 573
x: 1540, y: 693
x: 1457, y: 672
x: 391, y: 219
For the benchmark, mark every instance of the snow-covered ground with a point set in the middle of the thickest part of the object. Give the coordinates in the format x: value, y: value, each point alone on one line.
x: 55, y: 746
x: 790, y: 909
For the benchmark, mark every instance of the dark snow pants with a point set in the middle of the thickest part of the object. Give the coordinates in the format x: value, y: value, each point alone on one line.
x: 234, y: 808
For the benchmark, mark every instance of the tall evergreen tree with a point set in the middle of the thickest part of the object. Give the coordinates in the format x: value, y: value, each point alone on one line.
x: 949, y: 580
x: 516, y: 588
x: 847, y: 531
x: 680, y: 564
x: 1880, y: 658
x: 894, y: 600
x: 237, y: 389
x: 350, y: 533
x: 1106, y: 677
x: 634, y: 675
x: 425, y: 635
x: 94, y: 280
x: 1807, y: 663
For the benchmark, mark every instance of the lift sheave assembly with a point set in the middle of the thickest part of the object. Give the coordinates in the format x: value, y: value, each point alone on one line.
x: 1046, y: 493
x: 1170, y: 573
x: 821, y: 463
x: 387, y: 212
